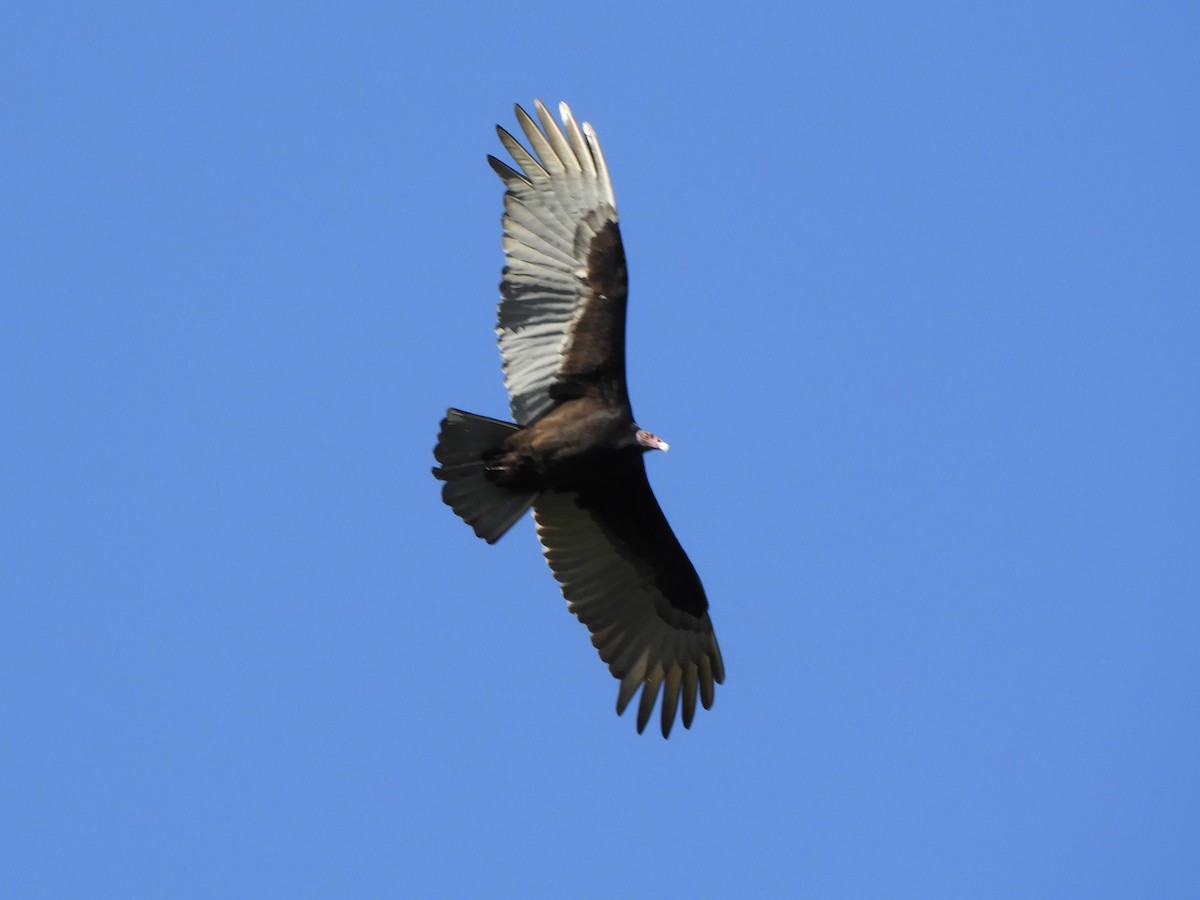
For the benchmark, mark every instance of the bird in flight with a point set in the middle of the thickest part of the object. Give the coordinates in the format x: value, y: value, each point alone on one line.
x: 575, y: 452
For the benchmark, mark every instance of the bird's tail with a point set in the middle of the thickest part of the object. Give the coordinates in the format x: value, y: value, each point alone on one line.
x: 462, y: 449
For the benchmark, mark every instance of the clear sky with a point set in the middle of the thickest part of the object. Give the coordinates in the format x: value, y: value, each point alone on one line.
x: 913, y: 297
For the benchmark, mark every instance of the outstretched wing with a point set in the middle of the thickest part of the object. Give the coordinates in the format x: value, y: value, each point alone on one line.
x: 562, y: 309
x: 629, y: 581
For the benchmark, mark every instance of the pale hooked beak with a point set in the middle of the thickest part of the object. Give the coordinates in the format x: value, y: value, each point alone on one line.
x: 652, y: 441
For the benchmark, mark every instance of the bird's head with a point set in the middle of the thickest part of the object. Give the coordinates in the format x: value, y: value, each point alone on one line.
x: 649, y: 441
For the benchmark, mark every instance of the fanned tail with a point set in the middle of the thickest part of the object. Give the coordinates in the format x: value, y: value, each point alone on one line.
x: 463, y: 445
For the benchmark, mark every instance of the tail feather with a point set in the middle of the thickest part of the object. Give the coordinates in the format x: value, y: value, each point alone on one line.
x: 462, y: 445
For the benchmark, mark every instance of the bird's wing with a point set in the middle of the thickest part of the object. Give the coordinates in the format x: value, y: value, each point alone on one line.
x: 629, y: 581
x: 562, y: 308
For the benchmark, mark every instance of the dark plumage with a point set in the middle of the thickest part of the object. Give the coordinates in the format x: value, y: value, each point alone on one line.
x: 575, y: 452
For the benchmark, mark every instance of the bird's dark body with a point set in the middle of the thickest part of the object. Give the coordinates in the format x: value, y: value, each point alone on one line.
x: 573, y: 447
x: 575, y: 453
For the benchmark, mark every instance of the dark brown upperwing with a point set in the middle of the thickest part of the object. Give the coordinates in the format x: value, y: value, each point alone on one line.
x: 629, y: 581
x: 627, y: 508
x: 595, y: 350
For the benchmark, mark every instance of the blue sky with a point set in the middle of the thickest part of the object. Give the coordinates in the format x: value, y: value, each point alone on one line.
x: 913, y: 297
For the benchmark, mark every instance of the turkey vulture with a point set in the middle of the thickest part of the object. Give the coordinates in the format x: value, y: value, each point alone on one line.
x: 575, y: 452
